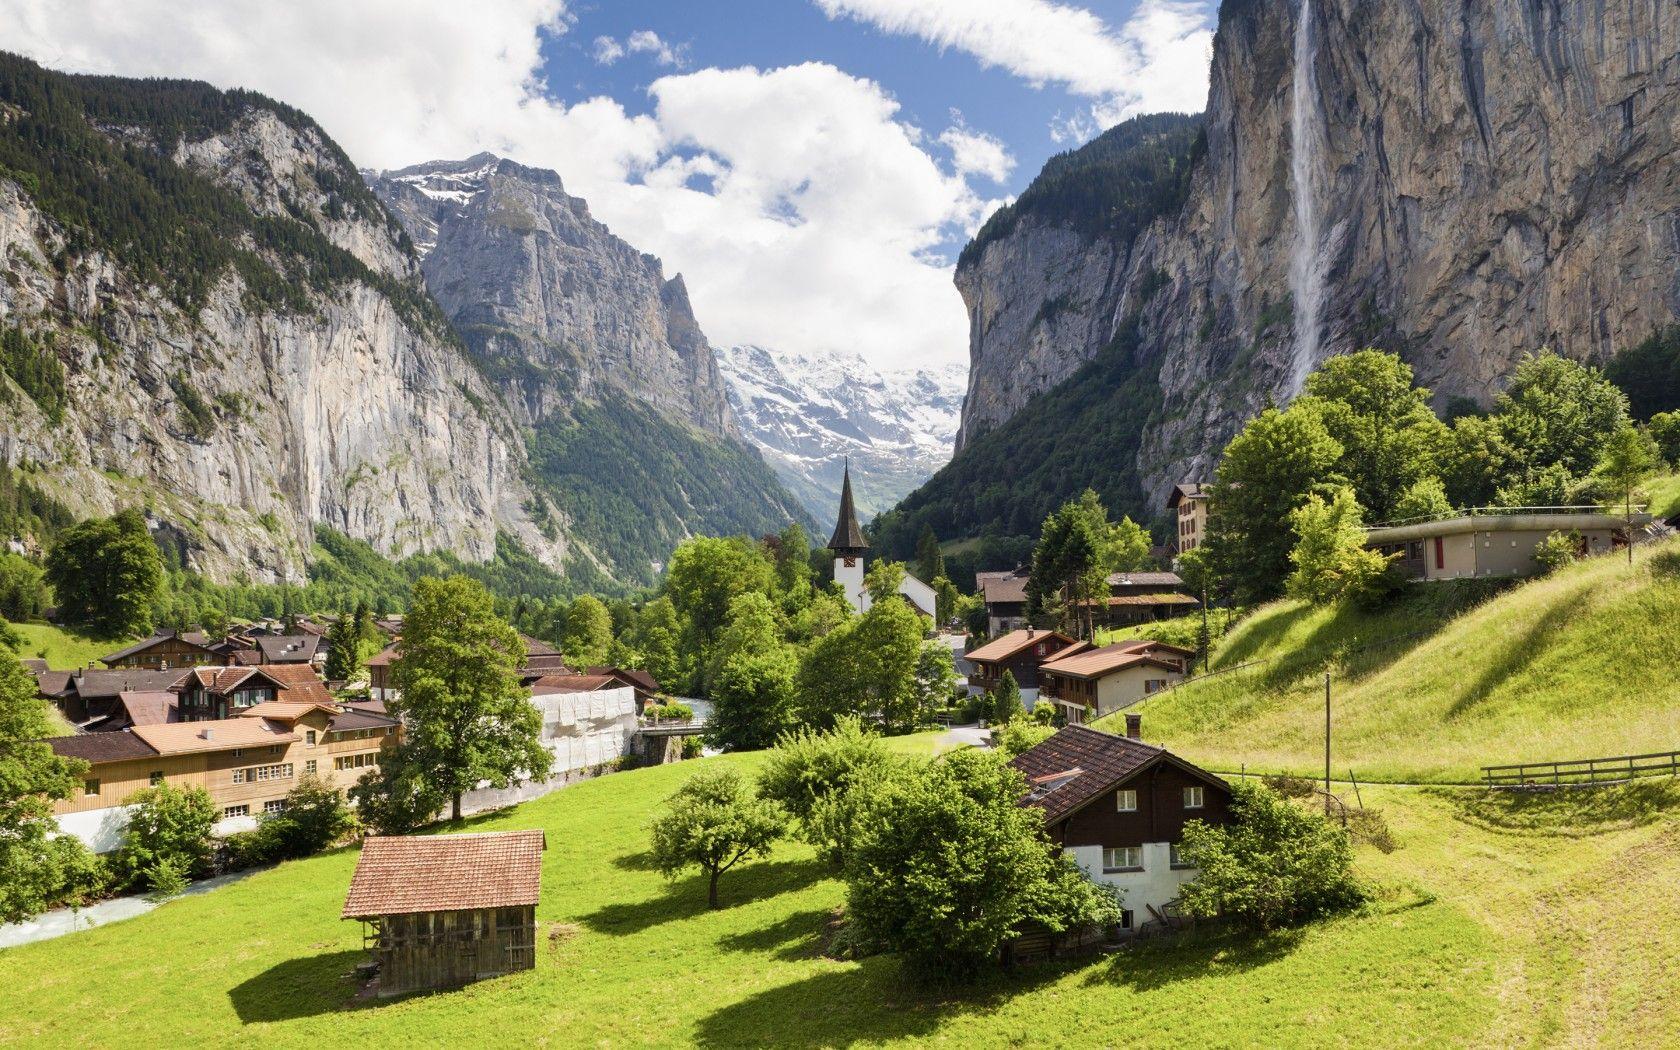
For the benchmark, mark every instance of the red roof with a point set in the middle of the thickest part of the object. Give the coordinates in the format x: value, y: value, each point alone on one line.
x: 550, y: 684
x: 1002, y: 648
x: 1094, y: 663
x: 300, y: 682
x: 427, y: 873
x: 1079, y: 765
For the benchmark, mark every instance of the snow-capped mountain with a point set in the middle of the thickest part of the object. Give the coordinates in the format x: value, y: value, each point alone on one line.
x: 808, y: 415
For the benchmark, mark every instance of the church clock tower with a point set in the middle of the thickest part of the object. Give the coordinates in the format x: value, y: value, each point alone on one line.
x: 849, y: 548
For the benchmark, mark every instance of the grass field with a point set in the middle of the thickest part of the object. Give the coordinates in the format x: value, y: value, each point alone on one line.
x: 1576, y: 665
x: 1495, y: 925
x: 62, y: 649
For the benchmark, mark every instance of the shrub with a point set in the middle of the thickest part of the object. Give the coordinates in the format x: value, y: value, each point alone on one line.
x: 1557, y: 550
x: 813, y: 776
x: 954, y: 867
x: 1021, y: 734
x: 168, y: 836
x: 1044, y: 713
x: 671, y: 712
x: 1276, y: 864
x: 314, y: 818
x: 693, y: 747
x: 164, y: 878
x: 84, y: 876
x: 393, y: 798
x: 712, y: 823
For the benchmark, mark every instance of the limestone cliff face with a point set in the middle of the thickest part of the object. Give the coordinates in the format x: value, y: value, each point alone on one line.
x: 239, y: 426
x: 559, y: 309
x: 1494, y: 177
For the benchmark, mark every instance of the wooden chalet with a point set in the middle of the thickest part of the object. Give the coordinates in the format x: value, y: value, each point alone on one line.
x: 1142, y: 597
x: 1018, y: 652
x: 441, y: 911
x: 1005, y: 595
x: 1118, y: 807
x: 164, y: 650
x: 1087, y: 683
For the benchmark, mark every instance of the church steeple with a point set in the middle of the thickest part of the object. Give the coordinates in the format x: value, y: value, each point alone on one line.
x: 847, y: 540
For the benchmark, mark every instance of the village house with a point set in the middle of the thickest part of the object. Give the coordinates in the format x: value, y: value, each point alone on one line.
x: 1088, y: 684
x: 164, y: 650
x: 291, y: 649
x: 1020, y: 653
x: 1189, y: 503
x: 1005, y: 596
x: 646, y: 686
x: 540, y: 659
x: 247, y: 763
x: 850, y: 551
x: 1496, y: 541
x: 1118, y: 807
x: 90, y: 699
x: 444, y: 910
x: 1143, y: 597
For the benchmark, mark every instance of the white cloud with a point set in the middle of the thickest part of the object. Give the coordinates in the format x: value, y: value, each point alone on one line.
x: 1158, y: 60
x: 803, y: 212
x: 647, y: 42
x: 977, y: 153
x: 607, y: 50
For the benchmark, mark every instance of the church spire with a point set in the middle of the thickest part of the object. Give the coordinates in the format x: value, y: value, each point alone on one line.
x: 847, y: 538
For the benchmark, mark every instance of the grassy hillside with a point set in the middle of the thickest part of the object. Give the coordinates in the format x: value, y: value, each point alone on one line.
x: 1577, y: 665
x: 1464, y: 947
x: 63, y: 649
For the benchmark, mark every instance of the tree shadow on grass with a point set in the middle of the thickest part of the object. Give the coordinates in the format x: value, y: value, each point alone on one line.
x: 686, y: 898
x: 1568, y: 811
x: 797, y: 936
x: 1511, y: 655
x: 1193, y: 955
x: 301, y: 987
x: 868, y: 1002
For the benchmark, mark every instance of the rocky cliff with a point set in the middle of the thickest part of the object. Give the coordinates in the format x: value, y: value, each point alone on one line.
x: 240, y: 332
x: 556, y: 307
x: 1475, y: 181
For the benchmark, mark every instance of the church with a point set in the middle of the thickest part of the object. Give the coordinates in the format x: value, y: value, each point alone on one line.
x: 849, y: 550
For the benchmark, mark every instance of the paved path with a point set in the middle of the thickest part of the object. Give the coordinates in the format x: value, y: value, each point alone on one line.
x: 58, y: 923
x: 965, y: 736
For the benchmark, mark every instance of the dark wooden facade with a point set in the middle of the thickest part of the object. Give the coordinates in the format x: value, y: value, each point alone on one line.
x: 167, y: 650
x: 430, y: 950
x: 1160, y: 816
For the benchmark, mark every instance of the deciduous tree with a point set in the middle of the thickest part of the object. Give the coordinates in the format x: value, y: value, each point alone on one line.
x: 587, y: 637
x: 106, y: 573
x: 32, y: 778
x: 713, y: 823
x: 1390, y: 438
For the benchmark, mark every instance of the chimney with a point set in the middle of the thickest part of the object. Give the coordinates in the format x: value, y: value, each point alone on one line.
x: 1029, y: 630
x: 209, y: 734
x: 1134, y: 727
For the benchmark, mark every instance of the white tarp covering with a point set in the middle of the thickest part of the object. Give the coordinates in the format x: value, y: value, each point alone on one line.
x: 582, y: 730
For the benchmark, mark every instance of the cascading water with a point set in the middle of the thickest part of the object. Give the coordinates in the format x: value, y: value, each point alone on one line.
x: 1306, y: 152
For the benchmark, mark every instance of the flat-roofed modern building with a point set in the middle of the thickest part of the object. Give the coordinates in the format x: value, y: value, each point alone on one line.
x: 1497, y: 541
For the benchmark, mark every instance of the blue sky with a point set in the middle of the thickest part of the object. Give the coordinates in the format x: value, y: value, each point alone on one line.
x: 811, y: 167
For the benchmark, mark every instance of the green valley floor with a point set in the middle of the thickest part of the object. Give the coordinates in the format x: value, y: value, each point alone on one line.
x: 1541, y: 922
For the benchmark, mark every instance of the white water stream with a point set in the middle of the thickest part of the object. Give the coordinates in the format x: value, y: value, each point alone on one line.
x: 1306, y: 161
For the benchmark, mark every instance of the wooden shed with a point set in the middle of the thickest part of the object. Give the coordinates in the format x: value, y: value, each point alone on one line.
x: 443, y: 910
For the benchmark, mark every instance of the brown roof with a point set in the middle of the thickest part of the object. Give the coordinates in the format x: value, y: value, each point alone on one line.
x: 629, y: 676
x: 1188, y: 490
x: 1157, y: 598
x: 847, y: 536
x: 98, y: 748
x: 95, y: 684
x: 150, y: 707
x: 427, y: 873
x: 550, y: 684
x: 285, y: 710
x: 223, y: 734
x: 1098, y: 762
x: 537, y: 647
x: 1005, y: 587
x: 35, y: 667
x: 300, y: 682
x: 1008, y: 645
x: 52, y: 683
x: 385, y: 656
x: 359, y: 718
x: 1145, y: 579
x: 191, y: 638
x: 1116, y: 656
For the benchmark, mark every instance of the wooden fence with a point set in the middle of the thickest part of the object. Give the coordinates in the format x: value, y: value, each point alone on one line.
x: 1585, y: 772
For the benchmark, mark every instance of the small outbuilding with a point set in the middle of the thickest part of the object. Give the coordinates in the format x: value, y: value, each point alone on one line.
x: 444, y: 910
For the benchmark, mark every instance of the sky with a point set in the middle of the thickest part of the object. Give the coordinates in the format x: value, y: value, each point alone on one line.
x: 811, y: 167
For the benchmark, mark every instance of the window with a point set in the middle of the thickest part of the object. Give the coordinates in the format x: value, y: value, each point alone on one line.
x: 309, y: 767
x: 155, y: 778
x: 283, y: 771
x: 229, y: 812
x: 1125, y: 918
x: 1175, y: 859
x: 1193, y: 797
x: 240, y: 776
x: 309, y: 737
x: 366, y: 758
x: 90, y: 787
x: 274, y: 749
x: 238, y: 752
x: 1123, y: 858
x: 1125, y: 801
x: 1154, y: 685
x: 273, y: 806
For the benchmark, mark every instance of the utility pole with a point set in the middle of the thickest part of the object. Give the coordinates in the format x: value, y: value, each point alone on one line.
x: 1327, y: 744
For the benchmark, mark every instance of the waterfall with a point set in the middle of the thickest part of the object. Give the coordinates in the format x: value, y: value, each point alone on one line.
x: 1306, y: 153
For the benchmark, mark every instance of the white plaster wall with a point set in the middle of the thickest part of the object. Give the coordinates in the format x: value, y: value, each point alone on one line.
x: 920, y: 594
x: 101, y: 830
x: 1155, y: 885
x: 1124, y: 688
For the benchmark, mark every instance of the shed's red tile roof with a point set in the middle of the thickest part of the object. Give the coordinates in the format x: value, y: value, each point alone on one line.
x: 426, y: 873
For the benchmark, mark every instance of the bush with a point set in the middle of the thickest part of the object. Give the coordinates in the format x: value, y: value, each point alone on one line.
x: 168, y: 837
x: 955, y: 866
x: 1021, y: 734
x: 693, y: 747
x: 671, y: 712
x: 712, y: 823
x: 84, y: 876
x: 166, y: 877
x: 1044, y: 712
x: 394, y: 798
x: 1557, y: 550
x: 814, y: 776
x: 315, y: 817
x: 1276, y: 864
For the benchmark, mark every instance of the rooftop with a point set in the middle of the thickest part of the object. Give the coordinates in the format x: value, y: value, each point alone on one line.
x: 1079, y: 764
x: 183, y: 738
x: 102, y: 747
x: 1094, y: 663
x: 1005, y: 646
x: 429, y: 873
